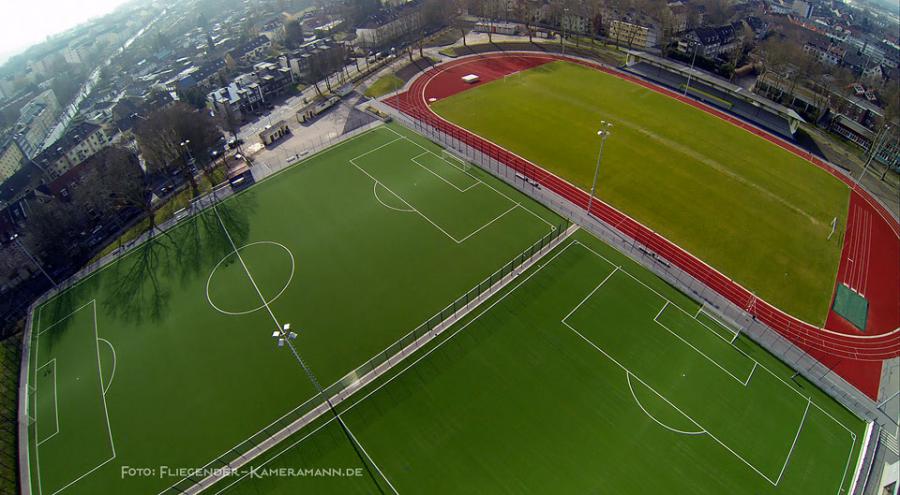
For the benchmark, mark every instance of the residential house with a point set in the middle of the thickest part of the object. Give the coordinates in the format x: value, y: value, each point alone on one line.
x: 37, y: 118
x: 711, y: 42
x: 250, y: 92
x: 825, y: 51
x: 11, y: 158
x: 626, y: 33
x: 77, y: 145
x: 390, y: 24
x: 252, y: 50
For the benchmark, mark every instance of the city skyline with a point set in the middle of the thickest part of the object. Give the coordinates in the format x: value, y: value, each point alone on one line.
x: 35, y: 21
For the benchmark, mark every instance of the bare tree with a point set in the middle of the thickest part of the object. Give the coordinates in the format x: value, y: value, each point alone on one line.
x: 169, y: 136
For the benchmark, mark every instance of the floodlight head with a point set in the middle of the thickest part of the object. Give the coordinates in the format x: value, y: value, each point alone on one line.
x: 280, y: 342
x: 292, y: 335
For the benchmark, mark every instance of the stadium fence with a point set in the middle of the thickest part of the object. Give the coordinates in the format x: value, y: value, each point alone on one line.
x: 467, y: 148
x: 228, y: 463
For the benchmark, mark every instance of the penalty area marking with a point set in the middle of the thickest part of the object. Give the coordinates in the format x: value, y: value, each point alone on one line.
x: 375, y: 192
x: 55, y: 399
x: 103, y: 389
x: 235, y: 253
x: 660, y: 423
x: 807, y: 399
x: 413, y: 209
x: 113, y: 374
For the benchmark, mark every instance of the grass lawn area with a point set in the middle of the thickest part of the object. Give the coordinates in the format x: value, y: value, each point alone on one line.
x: 384, y: 85
x: 753, y: 211
x: 165, y: 211
x: 166, y: 357
x: 587, y: 374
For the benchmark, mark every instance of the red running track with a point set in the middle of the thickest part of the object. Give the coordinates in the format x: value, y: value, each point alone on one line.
x: 854, y: 356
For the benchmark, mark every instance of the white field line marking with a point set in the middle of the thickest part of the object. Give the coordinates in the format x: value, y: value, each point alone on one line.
x: 591, y: 293
x: 743, y: 382
x: 809, y: 401
x: 415, y: 160
x: 375, y: 192
x: 729, y: 449
x: 278, y: 325
x: 416, y: 361
x: 113, y: 375
x: 373, y: 150
x: 413, y: 208
x: 37, y: 450
x: 327, y: 149
x: 255, y: 469
x: 479, y: 229
x: 429, y: 220
x: 313, y: 397
x: 105, y: 409
x: 373, y: 462
x: 481, y: 181
x: 865, y: 276
x: 272, y: 300
x: 64, y: 318
x: 760, y: 365
x: 847, y: 466
x: 794, y: 443
x: 724, y: 325
x: 55, y: 399
x: 660, y: 423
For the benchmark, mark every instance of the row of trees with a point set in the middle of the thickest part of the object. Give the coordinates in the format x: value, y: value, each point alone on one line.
x: 115, y: 185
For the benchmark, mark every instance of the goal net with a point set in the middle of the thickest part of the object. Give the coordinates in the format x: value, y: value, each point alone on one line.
x: 456, y: 161
x: 729, y: 325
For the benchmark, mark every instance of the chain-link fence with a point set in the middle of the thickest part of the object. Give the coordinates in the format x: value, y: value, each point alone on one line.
x: 337, y: 392
x: 218, y: 194
x: 714, y: 302
x: 530, y: 183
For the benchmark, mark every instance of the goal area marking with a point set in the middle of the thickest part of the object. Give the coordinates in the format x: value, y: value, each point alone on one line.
x: 414, y: 160
x: 809, y: 402
x: 103, y: 387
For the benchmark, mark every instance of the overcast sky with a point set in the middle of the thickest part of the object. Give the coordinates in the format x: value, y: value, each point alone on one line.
x: 28, y: 22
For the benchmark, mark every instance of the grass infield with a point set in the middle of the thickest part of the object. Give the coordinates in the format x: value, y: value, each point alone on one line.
x: 750, y: 209
x: 165, y: 359
x: 384, y: 85
x: 587, y: 374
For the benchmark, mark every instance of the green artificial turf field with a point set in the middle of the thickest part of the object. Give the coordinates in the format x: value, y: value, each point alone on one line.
x: 166, y: 357
x: 587, y: 374
x: 755, y: 212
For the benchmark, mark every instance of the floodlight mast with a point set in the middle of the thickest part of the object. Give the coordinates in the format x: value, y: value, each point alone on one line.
x: 286, y: 337
x: 604, y: 133
x: 15, y: 239
x: 691, y: 72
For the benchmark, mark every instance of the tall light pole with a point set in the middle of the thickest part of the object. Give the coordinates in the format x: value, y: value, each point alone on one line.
x: 691, y: 72
x: 15, y: 238
x: 186, y: 144
x: 284, y: 336
x: 604, y: 132
x: 877, y: 144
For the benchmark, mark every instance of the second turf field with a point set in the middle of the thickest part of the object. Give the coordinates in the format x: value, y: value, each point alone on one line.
x: 752, y: 210
x: 586, y: 375
x: 165, y: 360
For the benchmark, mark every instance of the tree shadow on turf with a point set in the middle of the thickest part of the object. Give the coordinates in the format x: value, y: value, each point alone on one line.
x: 140, y: 288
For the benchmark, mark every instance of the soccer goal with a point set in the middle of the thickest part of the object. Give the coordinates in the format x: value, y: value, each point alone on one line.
x: 732, y: 326
x: 456, y: 161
